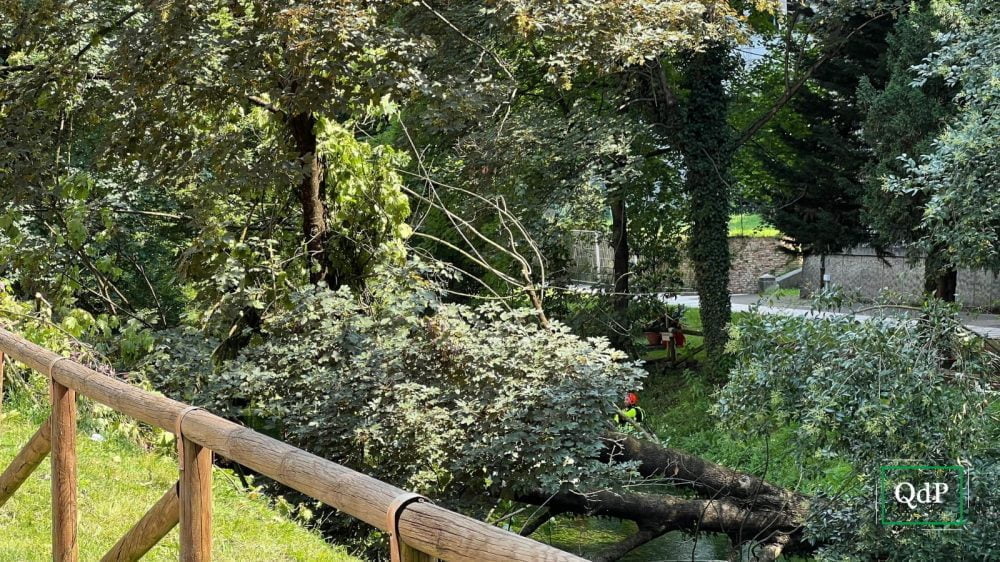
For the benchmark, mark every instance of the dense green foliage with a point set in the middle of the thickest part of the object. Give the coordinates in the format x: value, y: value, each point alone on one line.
x: 864, y: 394
x: 901, y: 118
x: 961, y: 217
x: 349, y: 224
x: 804, y: 169
x: 442, y: 398
x: 707, y: 146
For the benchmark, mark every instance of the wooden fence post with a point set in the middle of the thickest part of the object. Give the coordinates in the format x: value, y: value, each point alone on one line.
x: 196, y: 502
x: 63, y: 435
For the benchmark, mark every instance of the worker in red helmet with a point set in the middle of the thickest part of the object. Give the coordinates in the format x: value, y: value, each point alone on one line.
x: 631, y: 411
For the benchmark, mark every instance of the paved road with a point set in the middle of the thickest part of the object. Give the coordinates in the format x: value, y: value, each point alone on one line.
x: 986, y: 325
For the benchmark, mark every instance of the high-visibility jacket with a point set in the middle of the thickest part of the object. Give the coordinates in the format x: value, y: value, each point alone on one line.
x: 635, y: 413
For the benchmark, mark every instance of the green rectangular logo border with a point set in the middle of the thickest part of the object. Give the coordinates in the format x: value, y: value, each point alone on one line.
x: 959, y: 470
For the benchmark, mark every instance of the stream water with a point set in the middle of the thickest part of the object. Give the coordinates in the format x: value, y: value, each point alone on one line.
x: 586, y: 537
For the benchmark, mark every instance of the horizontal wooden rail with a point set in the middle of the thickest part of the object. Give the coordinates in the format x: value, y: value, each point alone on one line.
x: 423, y: 526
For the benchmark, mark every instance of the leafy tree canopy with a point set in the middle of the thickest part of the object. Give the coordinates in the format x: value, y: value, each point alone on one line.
x: 958, y: 177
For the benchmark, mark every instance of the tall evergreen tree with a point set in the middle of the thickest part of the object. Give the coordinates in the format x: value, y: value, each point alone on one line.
x: 903, y: 118
x: 808, y: 164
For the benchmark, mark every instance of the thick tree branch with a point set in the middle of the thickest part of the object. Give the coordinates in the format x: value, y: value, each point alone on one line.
x: 17, y: 68
x: 261, y: 102
x: 772, y: 549
x: 104, y: 31
x: 730, y: 502
x: 645, y: 534
x: 670, y: 513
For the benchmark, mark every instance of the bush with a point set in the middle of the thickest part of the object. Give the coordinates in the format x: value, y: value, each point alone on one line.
x: 444, y: 399
x: 870, y: 393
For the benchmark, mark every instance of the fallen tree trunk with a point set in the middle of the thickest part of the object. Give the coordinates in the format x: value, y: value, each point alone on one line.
x: 672, y: 512
x: 746, y: 508
x: 706, y: 478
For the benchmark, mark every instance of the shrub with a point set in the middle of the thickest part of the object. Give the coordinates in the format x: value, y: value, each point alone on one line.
x: 445, y: 399
x: 869, y: 393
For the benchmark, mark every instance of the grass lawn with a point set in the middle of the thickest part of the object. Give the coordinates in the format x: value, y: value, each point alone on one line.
x: 752, y: 226
x: 118, y: 482
x: 787, y: 293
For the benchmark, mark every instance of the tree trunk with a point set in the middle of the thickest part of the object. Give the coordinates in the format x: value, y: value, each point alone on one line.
x: 706, y: 144
x: 619, y: 242
x: 947, y: 284
x: 671, y: 513
x: 940, y: 278
x: 312, y: 196
x: 704, y: 477
x: 742, y: 506
x: 822, y: 271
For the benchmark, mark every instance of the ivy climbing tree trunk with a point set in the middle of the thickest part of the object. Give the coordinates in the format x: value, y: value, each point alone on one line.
x: 312, y: 196
x: 706, y: 143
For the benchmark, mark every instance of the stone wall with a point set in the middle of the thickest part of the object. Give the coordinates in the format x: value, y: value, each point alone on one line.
x: 591, y: 261
x: 750, y: 258
x: 860, y: 270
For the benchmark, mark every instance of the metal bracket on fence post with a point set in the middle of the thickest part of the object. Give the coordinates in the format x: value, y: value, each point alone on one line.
x: 179, y: 433
x: 396, y: 508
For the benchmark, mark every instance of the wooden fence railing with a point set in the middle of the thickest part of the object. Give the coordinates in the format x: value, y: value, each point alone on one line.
x: 418, y: 529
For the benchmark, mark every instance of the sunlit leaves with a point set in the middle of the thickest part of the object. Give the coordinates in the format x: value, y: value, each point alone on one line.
x: 611, y: 35
x: 871, y: 393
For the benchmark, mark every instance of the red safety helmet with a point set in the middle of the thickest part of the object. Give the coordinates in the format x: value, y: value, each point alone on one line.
x: 631, y: 399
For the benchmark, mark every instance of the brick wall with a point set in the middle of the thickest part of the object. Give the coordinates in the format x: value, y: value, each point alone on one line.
x: 860, y: 270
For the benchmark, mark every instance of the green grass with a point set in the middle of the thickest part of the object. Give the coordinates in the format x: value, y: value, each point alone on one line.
x: 118, y: 482
x: 752, y: 226
x: 678, y: 407
x: 790, y: 293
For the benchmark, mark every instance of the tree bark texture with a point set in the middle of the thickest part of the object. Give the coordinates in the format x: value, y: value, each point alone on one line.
x: 743, y: 506
x: 312, y: 197
x: 619, y: 241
